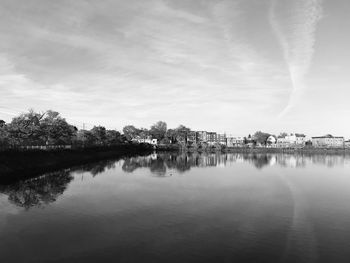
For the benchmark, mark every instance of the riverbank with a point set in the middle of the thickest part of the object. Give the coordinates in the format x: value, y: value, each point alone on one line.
x: 291, y: 150
x: 309, y: 150
x: 17, y: 164
x: 21, y: 164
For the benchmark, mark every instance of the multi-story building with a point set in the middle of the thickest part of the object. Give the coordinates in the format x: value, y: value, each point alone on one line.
x: 212, y: 138
x: 235, y: 141
x: 328, y: 141
x: 291, y: 140
x: 221, y: 139
x: 300, y: 139
x: 282, y: 142
x: 191, y: 137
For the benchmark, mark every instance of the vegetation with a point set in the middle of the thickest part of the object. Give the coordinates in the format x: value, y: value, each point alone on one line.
x: 15, y: 165
x: 50, y: 128
x: 261, y: 137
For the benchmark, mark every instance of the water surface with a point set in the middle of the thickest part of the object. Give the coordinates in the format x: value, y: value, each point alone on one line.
x: 182, y: 208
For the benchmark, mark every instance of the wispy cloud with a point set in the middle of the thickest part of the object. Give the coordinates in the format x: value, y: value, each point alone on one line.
x: 294, y: 24
x: 206, y: 64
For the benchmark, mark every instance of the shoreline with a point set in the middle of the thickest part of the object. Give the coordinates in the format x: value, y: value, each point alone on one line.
x: 23, y: 164
x: 272, y: 150
x: 18, y: 165
x: 292, y: 150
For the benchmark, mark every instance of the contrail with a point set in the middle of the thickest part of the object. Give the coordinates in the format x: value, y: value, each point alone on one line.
x: 296, y: 34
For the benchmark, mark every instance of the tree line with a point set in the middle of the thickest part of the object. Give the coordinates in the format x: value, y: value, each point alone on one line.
x: 50, y: 128
x: 158, y: 131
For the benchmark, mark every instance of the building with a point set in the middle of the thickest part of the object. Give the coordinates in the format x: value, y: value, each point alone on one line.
x: 250, y: 141
x: 282, y: 142
x: 148, y: 140
x: 191, y: 137
x: 300, y: 139
x: 201, y: 136
x: 212, y: 138
x: 328, y: 141
x: 221, y: 139
x: 347, y: 144
x: 291, y: 140
x: 235, y: 141
x: 271, y: 141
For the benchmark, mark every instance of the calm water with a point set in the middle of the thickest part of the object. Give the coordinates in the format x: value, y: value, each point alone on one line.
x: 182, y: 208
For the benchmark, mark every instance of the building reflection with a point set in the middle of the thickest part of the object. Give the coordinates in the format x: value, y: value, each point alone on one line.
x: 159, y: 164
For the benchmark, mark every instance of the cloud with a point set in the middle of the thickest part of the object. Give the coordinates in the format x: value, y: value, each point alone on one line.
x: 120, y: 62
x: 294, y: 24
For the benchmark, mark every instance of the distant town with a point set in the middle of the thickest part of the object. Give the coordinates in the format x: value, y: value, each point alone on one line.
x: 257, y: 140
x: 49, y: 129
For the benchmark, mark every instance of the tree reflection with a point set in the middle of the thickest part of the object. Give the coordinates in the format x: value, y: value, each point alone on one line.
x: 155, y: 163
x: 97, y: 167
x: 39, y: 191
x: 258, y: 160
x: 47, y: 188
x: 159, y: 164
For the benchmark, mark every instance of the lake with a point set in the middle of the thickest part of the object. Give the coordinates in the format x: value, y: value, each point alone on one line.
x: 182, y: 208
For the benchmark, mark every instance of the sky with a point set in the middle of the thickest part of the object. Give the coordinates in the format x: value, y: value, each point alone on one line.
x: 234, y: 66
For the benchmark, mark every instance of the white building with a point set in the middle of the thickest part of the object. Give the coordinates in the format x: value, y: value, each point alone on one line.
x: 291, y: 140
x: 271, y: 141
x: 148, y: 140
x: 235, y: 141
x: 328, y: 141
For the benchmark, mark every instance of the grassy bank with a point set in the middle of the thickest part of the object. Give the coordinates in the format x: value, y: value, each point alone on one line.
x: 16, y: 164
x: 310, y: 150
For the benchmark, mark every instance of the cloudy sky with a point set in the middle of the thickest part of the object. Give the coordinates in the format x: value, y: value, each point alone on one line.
x: 232, y: 66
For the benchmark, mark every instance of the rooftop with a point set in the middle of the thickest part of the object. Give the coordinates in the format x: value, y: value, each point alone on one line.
x: 328, y: 136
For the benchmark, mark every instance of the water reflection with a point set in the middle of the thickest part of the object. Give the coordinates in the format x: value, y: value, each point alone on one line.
x: 38, y: 191
x: 160, y: 163
x: 96, y: 168
x: 47, y: 188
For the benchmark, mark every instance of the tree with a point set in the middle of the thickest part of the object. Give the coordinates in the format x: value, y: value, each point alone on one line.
x: 171, y: 135
x: 4, y: 135
x: 35, y: 128
x: 99, y: 133
x: 55, y: 129
x: 130, y: 132
x: 144, y: 133
x: 158, y: 130
x: 181, y: 133
x: 86, y: 138
x: 25, y: 129
x: 113, y: 137
x: 261, y: 137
